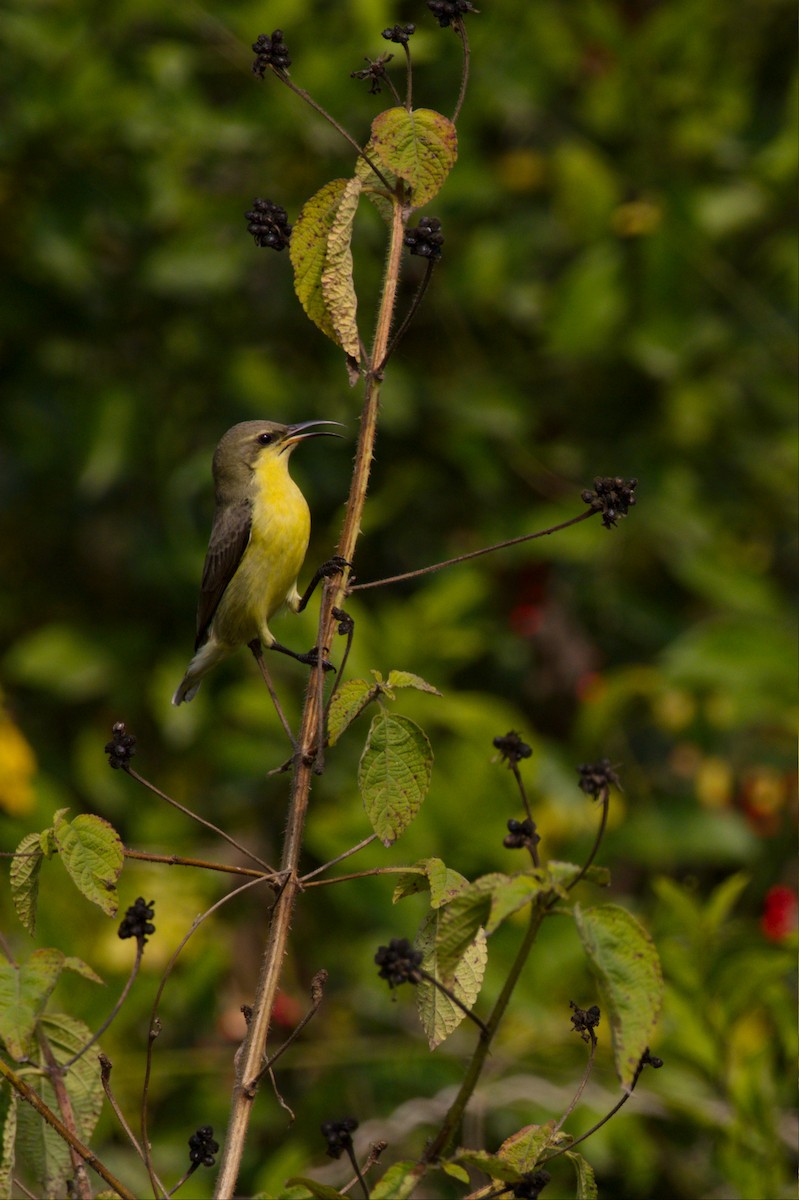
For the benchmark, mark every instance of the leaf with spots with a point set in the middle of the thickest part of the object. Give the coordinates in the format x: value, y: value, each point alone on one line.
x: 394, y: 773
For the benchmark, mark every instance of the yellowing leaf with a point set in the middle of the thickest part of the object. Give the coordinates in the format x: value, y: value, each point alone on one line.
x: 349, y: 701
x: 24, y: 878
x: 586, y: 1183
x: 405, y: 679
x: 444, y: 883
x: 322, y: 261
x: 626, y: 962
x: 394, y: 773
x: 438, y: 1014
x: 91, y: 851
x: 419, y: 146
x: 24, y: 991
x: 524, y: 1148
x: 398, y: 1183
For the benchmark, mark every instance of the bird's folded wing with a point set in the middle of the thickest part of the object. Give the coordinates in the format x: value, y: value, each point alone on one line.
x: 229, y: 538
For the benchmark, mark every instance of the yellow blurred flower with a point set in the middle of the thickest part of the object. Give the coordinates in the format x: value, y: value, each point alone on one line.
x: 17, y: 767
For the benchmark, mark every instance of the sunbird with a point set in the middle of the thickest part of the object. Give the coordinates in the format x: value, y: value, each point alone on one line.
x: 257, y: 546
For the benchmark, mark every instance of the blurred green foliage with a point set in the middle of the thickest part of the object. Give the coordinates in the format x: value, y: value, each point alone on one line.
x: 616, y: 297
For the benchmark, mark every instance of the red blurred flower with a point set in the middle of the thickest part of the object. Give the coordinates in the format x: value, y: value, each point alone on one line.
x: 780, y: 911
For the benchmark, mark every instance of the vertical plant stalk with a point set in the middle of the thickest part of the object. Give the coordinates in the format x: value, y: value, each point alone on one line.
x: 452, y: 1120
x: 250, y: 1059
x: 81, y: 1179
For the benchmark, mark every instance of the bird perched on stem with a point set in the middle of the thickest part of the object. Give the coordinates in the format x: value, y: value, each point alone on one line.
x: 257, y: 546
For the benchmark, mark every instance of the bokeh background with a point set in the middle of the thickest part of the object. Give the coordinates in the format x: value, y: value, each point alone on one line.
x: 616, y: 297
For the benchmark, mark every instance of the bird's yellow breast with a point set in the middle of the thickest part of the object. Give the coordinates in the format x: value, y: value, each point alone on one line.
x: 267, y: 574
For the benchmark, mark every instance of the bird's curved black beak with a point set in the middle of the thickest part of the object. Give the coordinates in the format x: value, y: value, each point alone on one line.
x: 301, y: 431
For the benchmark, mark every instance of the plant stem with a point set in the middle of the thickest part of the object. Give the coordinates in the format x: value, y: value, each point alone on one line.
x: 89, y: 1157
x: 451, y: 562
x: 460, y: 29
x: 597, y: 840
x: 452, y: 1120
x: 251, y: 1054
x: 123, y: 997
x: 176, y: 860
x: 82, y: 1187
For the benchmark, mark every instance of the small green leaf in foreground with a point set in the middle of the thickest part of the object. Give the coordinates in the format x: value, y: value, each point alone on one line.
x: 24, y: 878
x: 91, y: 851
x: 420, y: 147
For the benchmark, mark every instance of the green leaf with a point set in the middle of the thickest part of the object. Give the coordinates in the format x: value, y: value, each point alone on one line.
x: 444, y: 883
x: 322, y: 260
x: 451, y: 1168
x: 320, y: 1191
x: 490, y: 1164
x: 586, y: 1183
x: 463, y: 976
x: 510, y: 893
x: 419, y: 146
x: 24, y: 877
x: 24, y: 991
x: 47, y: 840
x: 8, y: 1121
x: 398, y: 1183
x: 348, y: 703
x: 394, y: 773
x: 405, y: 679
x: 91, y: 851
x: 39, y: 1146
x: 626, y: 962
x: 523, y: 1149
x: 456, y: 926
x: 81, y: 968
x: 562, y: 873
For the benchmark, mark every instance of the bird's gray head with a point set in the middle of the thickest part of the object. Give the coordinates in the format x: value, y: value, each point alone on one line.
x: 243, y: 446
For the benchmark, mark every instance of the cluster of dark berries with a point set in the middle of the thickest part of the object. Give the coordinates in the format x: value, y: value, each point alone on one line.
x: 137, y: 921
x: 121, y: 748
x: 512, y: 748
x: 339, y: 1136
x: 202, y: 1147
x: 270, y: 51
x: 612, y: 497
x: 520, y: 834
x: 399, y: 34
x: 447, y: 11
x: 375, y: 72
x: 584, y: 1021
x: 531, y: 1187
x: 269, y: 224
x: 596, y: 778
x: 650, y: 1060
x: 426, y: 239
x: 399, y: 962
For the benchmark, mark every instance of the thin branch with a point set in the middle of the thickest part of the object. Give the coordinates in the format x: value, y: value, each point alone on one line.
x: 331, y: 120
x: 581, y: 1085
x: 409, y: 76
x: 451, y: 562
x: 187, y: 1174
x: 339, y: 858
x: 411, y: 313
x: 122, y: 998
x: 176, y: 860
x: 597, y: 840
x: 89, y: 1157
x: 375, y: 1151
x: 358, y: 875
x: 590, y: 1132
x: 195, y: 817
x: 460, y: 28
x: 154, y: 1027
x: 357, y: 1170
x: 106, y: 1067
x: 21, y: 1186
x: 55, y: 1073
x: 532, y: 844
x: 346, y: 626
x: 317, y: 995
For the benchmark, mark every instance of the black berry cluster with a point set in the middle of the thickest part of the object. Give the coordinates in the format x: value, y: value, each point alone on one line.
x: 270, y: 51
x: 426, y: 239
x: 339, y: 1135
x: 121, y: 748
x: 375, y: 72
x: 584, y: 1020
x: 612, y: 497
x: 399, y: 34
x: 202, y: 1147
x: 520, y: 834
x: 137, y: 921
x: 447, y: 11
x: 650, y: 1060
x: 531, y: 1187
x: 269, y: 224
x: 512, y: 748
x: 399, y: 962
x: 596, y: 778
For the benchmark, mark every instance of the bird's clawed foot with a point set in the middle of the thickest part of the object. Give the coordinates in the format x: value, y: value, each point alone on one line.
x: 312, y: 659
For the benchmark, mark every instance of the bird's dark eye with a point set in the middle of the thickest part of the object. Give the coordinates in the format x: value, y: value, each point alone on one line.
x: 265, y: 439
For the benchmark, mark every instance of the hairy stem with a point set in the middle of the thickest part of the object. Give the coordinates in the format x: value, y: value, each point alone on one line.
x: 452, y: 1120
x: 251, y: 1056
x: 89, y: 1157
